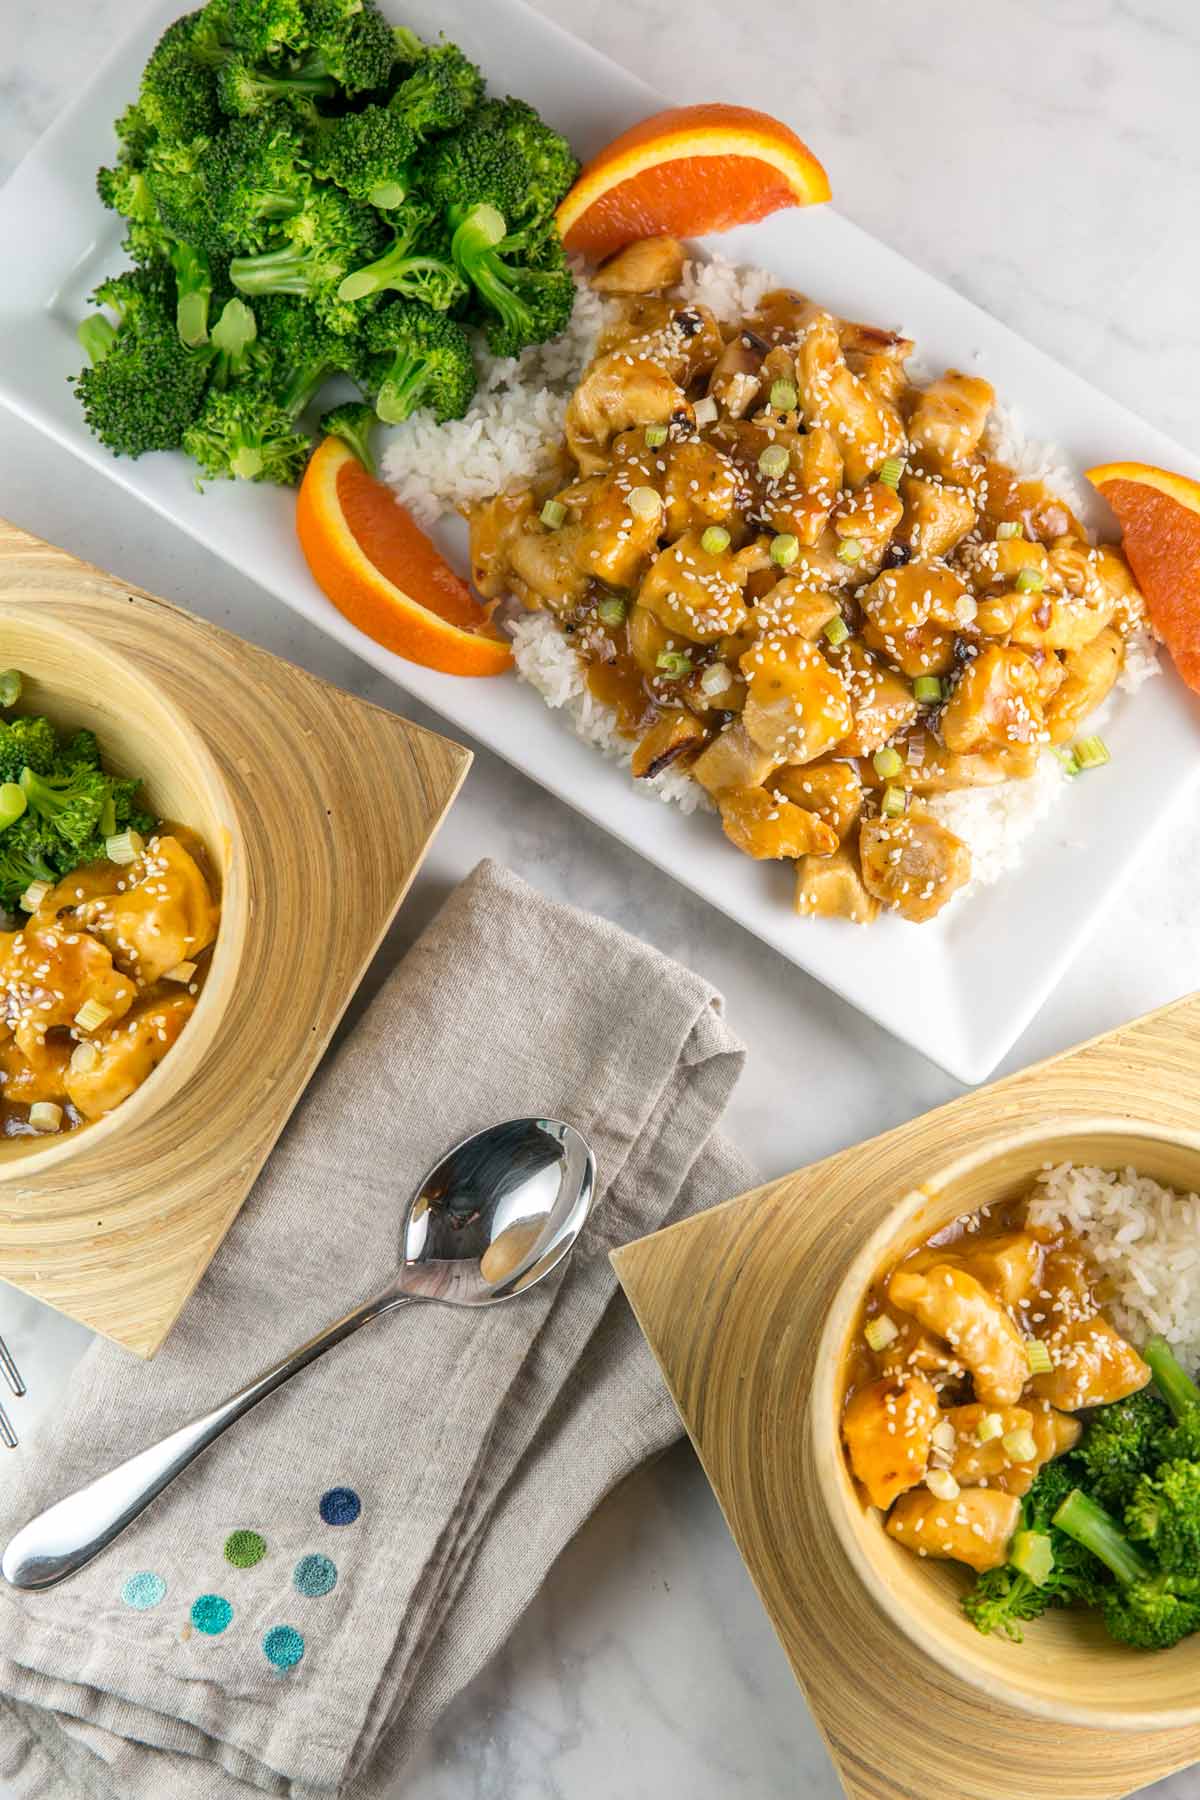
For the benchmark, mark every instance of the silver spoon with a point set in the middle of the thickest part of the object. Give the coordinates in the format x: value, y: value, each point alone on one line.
x: 496, y: 1215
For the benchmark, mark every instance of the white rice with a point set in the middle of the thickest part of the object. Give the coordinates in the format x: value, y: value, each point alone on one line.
x: 511, y: 434
x: 1144, y: 1237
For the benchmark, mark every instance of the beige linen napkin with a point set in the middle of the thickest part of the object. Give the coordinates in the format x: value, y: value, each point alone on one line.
x: 303, y: 1602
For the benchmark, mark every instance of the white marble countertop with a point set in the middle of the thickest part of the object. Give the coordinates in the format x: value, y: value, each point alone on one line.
x: 1042, y: 157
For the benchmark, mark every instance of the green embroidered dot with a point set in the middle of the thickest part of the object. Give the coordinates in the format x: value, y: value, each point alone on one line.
x: 283, y: 1646
x: 143, y: 1590
x: 314, y: 1575
x: 245, y: 1548
x: 211, y: 1614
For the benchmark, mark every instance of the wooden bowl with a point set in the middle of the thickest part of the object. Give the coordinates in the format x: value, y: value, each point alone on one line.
x: 1068, y: 1670
x: 76, y: 682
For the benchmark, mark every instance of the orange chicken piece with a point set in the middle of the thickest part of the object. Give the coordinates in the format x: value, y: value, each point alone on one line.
x: 888, y: 1427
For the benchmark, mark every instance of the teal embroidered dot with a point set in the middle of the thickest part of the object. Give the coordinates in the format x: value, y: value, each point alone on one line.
x: 245, y: 1548
x: 143, y: 1590
x: 340, y: 1506
x: 211, y: 1614
x: 283, y: 1646
x: 314, y: 1575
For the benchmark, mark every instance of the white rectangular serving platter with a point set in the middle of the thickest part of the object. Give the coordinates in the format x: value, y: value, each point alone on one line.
x: 961, y: 989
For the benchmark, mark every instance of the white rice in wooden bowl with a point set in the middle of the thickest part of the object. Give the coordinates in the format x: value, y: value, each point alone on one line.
x: 509, y: 435
x: 1143, y: 1237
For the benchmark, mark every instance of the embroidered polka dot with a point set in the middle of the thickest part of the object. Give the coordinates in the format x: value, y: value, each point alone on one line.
x: 314, y: 1575
x: 245, y: 1548
x: 283, y: 1646
x: 211, y: 1613
x: 143, y: 1590
x: 340, y: 1506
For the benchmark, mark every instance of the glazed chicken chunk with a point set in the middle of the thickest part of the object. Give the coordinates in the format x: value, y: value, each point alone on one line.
x: 951, y: 1303
x: 159, y: 914
x: 888, y: 1428
x: 973, y: 1528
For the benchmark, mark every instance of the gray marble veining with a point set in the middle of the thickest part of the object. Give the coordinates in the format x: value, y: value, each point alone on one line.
x: 1042, y: 157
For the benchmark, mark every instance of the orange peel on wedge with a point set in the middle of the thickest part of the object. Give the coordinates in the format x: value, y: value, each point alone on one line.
x: 384, y: 574
x: 1159, y: 514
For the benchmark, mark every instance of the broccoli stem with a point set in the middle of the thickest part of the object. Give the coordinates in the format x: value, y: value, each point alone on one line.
x: 401, y: 388
x: 1172, y: 1381
x: 394, y: 269
x: 282, y: 271
x: 478, y: 231
x: 97, y: 336
x: 388, y: 194
x: 1082, y: 1519
x: 193, y: 284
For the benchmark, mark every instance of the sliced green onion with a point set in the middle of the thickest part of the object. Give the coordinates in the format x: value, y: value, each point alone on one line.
x: 880, y: 1332
x: 893, y: 802
x: 943, y: 1437
x: 84, y: 1056
x: 927, y: 689
x: 10, y: 687
x: 849, y: 550
x: 123, y: 848
x: 612, y: 610
x: 45, y: 1116
x: 783, y: 395
x: 892, y: 470
x: 656, y: 436
x: 715, y: 679
x: 785, y: 549
x: 942, y: 1484
x: 1032, y: 1555
x: 1092, y: 753
x: 1069, y: 760
x: 12, y: 803
x: 1010, y: 528
x: 33, y: 896
x: 92, y: 1015
x: 1020, y: 1445
x: 887, y: 762
x: 706, y: 411
x: 675, y: 663
x: 182, y: 972
x: 990, y: 1426
x: 1040, y: 1360
x: 553, y: 514
x: 773, y: 461
x: 645, y: 503
x: 714, y: 540
x: 837, y: 631
x: 1029, y: 581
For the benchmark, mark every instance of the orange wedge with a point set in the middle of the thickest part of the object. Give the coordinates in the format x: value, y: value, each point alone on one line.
x: 381, y: 570
x: 686, y: 172
x: 1160, y: 533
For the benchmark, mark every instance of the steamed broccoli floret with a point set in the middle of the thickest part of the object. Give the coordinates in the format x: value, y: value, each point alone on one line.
x: 27, y: 744
x: 243, y: 432
x: 22, y: 861
x: 502, y: 156
x: 367, y: 153
x: 416, y: 263
x: 96, y: 336
x: 71, y: 806
x: 1164, y: 1514
x: 126, y: 190
x: 134, y: 133
x: 1182, y: 1397
x: 147, y: 389
x: 526, y: 301
x: 81, y: 750
x: 320, y: 244
x: 178, y: 98
x: 439, y: 93
x: 246, y: 90
x: 352, y: 42
x: 1148, y: 1608
x: 1005, y: 1599
x: 420, y: 358
x: 1121, y: 1442
x: 264, y: 28
x: 353, y: 422
x: 258, y: 175
x: 236, y: 350
x: 304, y: 353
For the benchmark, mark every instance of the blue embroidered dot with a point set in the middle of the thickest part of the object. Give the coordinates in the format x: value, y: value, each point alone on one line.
x: 283, y: 1646
x: 211, y: 1614
x: 340, y: 1506
x: 143, y: 1590
x: 314, y: 1575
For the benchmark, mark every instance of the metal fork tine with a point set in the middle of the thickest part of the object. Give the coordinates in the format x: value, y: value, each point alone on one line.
x: 12, y: 1374
x: 7, y: 1434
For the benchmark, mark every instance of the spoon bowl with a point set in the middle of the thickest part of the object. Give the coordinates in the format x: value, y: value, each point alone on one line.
x: 495, y: 1216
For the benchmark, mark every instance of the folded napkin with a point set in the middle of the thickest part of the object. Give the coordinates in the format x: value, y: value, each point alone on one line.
x: 300, y: 1606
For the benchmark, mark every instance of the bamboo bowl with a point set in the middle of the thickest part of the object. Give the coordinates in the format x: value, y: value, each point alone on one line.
x: 1068, y: 1671
x: 76, y: 682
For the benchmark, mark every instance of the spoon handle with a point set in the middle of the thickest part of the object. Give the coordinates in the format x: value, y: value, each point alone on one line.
x: 66, y: 1537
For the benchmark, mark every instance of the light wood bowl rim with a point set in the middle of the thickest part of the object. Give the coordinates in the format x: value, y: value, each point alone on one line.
x: 904, y: 1226
x: 185, y: 1057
